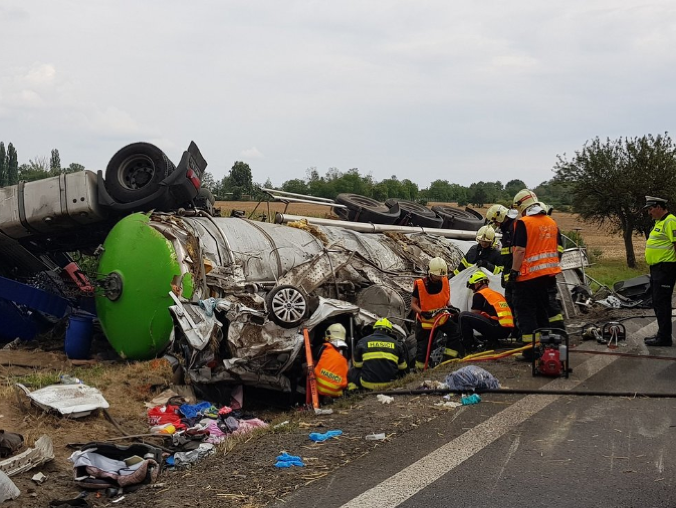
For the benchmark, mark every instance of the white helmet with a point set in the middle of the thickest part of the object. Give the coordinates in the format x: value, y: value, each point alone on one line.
x: 340, y: 344
x: 497, y: 214
x: 437, y: 266
x: 485, y: 234
x: 335, y: 332
x: 523, y: 199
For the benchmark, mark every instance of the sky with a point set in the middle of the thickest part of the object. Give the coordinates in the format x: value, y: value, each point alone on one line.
x: 421, y: 89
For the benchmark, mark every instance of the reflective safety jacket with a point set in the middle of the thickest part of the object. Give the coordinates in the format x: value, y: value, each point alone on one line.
x: 542, y: 247
x: 498, y: 302
x: 491, y: 257
x: 660, y: 245
x: 429, y: 303
x: 381, y: 358
x: 331, y: 371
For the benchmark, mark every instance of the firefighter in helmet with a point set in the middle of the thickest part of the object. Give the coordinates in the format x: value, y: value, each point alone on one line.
x: 484, y: 254
x: 430, y: 296
x: 331, y: 367
x: 379, y: 359
x: 490, y: 314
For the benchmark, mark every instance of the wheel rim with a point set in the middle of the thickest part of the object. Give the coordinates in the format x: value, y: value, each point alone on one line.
x: 136, y: 172
x: 289, y: 305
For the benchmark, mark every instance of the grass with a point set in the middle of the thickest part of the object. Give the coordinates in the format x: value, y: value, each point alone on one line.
x: 610, y: 271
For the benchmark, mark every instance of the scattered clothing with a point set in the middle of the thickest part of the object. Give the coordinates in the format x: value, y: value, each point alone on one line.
x: 195, y: 410
x: 468, y: 400
x: 472, y: 378
x: 182, y: 459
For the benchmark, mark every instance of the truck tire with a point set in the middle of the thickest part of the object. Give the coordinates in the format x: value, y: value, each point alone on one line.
x: 457, y: 218
x: 415, y: 214
x: 135, y: 172
x: 365, y: 209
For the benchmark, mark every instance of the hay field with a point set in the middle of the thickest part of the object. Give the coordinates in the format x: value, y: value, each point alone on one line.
x: 596, y: 239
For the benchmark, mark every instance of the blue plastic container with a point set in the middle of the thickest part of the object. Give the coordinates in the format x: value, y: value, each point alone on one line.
x: 79, y: 336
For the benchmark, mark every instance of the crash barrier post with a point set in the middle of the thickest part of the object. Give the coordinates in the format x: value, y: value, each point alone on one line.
x: 79, y: 336
x: 311, y: 369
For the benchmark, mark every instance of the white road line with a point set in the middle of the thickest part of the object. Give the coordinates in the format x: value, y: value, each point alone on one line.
x: 414, y: 478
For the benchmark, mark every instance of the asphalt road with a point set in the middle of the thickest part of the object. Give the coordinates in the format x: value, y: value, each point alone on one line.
x: 532, y: 451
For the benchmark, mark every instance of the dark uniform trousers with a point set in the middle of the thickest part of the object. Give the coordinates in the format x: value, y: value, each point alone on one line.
x: 662, y: 281
x: 537, y: 305
x: 490, y: 329
x: 422, y: 337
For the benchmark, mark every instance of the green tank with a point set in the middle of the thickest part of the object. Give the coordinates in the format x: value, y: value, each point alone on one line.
x: 139, y: 265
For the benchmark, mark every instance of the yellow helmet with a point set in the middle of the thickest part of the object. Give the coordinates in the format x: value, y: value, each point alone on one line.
x: 335, y: 332
x: 547, y: 208
x: 496, y: 214
x: 477, y: 276
x: 383, y: 323
x: 485, y: 234
x: 523, y: 199
x: 437, y: 266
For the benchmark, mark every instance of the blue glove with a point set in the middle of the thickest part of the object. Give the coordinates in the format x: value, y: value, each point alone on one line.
x: 285, y: 461
x: 318, y: 437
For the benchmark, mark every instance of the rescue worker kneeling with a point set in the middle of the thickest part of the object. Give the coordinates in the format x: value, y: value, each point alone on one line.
x: 490, y: 315
x: 431, y: 295
x: 331, y: 367
x: 378, y: 359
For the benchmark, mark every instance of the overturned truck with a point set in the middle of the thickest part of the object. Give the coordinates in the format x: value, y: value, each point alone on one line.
x: 232, y: 296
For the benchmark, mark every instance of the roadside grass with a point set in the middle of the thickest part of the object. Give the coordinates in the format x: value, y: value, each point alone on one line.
x: 610, y: 271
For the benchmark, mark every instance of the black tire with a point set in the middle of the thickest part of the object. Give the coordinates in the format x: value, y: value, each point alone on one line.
x: 365, y: 209
x: 205, y: 200
x: 135, y: 172
x: 457, y: 218
x: 415, y: 214
x: 287, y: 305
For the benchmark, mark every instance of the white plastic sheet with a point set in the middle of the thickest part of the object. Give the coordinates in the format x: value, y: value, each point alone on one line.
x: 461, y: 295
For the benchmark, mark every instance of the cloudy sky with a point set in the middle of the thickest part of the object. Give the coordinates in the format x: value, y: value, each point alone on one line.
x: 423, y: 89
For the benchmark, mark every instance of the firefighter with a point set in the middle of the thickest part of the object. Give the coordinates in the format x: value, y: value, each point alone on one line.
x: 431, y: 295
x: 331, y: 367
x: 660, y: 254
x: 537, y: 248
x: 490, y: 315
x: 504, y: 219
x: 378, y: 359
x: 484, y: 254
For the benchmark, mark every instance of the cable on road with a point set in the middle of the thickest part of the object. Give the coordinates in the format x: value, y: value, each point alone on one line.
x: 534, y: 391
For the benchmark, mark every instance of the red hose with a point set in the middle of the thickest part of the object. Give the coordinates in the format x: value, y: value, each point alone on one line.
x: 429, y: 342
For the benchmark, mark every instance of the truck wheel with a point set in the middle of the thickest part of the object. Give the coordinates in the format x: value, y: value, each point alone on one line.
x: 365, y: 209
x: 418, y: 215
x: 287, y: 305
x: 135, y: 172
x: 457, y: 218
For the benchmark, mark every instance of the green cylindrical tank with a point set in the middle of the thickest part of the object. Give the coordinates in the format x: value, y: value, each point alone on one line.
x: 142, y: 262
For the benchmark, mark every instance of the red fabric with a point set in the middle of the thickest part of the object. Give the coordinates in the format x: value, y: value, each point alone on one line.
x: 161, y: 415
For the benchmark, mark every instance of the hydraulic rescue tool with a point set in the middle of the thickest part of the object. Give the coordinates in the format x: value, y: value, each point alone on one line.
x: 550, y: 355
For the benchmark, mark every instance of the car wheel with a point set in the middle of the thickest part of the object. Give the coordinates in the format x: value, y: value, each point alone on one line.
x: 135, y: 172
x: 457, y: 218
x: 287, y: 305
x: 365, y: 209
x: 415, y: 214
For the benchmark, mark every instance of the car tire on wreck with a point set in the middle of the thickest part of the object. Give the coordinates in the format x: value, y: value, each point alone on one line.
x: 365, y: 209
x: 287, y: 305
x: 415, y: 214
x: 135, y: 172
x: 457, y: 218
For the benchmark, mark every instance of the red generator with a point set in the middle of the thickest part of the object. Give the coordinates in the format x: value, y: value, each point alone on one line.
x: 550, y: 355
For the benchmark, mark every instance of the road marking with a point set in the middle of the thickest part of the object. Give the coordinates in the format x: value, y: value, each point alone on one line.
x: 414, y: 478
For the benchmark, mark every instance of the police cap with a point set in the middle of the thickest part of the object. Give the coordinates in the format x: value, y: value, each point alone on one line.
x: 653, y: 201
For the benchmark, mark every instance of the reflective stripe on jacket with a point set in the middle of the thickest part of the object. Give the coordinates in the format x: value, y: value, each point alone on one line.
x: 380, y: 357
x: 498, y: 302
x: 660, y: 245
x: 331, y: 372
x: 542, y: 248
x: 429, y: 303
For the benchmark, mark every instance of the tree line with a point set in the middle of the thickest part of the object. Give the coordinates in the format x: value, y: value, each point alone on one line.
x: 36, y: 169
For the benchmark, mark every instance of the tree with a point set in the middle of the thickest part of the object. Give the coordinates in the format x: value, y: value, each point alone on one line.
x: 74, y: 167
x: 240, y: 176
x: 12, y: 165
x: 3, y: 165
x: 514, y: 186
x: 610, y: 179
x: 296, y: 185
x: 208, y: 182
x: 55, y: 163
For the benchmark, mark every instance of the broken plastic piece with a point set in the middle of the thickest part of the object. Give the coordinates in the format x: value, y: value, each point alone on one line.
x: 385, y: 399
x: 376, y: 437
x: 39, y: 478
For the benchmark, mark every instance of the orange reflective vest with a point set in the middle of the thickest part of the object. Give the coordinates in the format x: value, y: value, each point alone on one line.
x: 331, y: 372
x: 430, y: 302
x: 542, y: 248
x: 498, y: 302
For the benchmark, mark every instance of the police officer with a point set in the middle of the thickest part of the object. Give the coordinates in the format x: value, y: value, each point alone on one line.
x: 537, y: 248
x: 331, y: 368
x: 490, y: 314
x: 430, y: 295
x: 378, y: 359
x: 660, y: 254
x: 483, y: 254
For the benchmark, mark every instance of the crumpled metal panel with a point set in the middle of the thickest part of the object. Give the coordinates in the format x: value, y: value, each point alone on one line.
x: 369, y: 246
